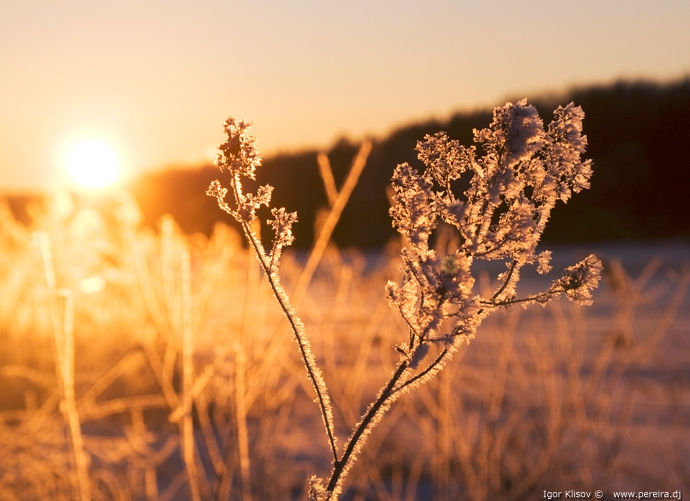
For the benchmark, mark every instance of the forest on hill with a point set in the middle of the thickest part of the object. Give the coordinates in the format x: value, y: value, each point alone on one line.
x: 638, y: 133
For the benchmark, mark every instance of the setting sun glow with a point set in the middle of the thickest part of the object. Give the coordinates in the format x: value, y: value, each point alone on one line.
x: 93, y: 164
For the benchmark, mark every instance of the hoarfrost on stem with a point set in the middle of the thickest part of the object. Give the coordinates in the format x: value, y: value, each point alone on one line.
x: 522, y: 170
x: 239, y: 156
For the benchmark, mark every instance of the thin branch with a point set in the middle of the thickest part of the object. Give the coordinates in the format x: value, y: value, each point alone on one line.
x: 537, y: 297
x: 507, y: 280
x: 431, y: 367
x: 354, y: 443
x: 312, y: 370
x: 413, y: 331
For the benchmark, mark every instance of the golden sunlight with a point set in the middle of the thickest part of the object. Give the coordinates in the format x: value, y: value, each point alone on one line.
x: 93, y: 164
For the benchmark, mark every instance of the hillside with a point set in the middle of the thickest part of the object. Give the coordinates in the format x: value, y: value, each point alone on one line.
x: 638, y: 137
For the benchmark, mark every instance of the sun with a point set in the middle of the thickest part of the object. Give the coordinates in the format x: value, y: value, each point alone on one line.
x: 93, y: 165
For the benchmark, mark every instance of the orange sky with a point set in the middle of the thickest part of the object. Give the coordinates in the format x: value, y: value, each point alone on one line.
x: 156, y: 79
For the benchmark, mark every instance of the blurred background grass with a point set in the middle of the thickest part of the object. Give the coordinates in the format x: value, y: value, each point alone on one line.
x: 178, y: 346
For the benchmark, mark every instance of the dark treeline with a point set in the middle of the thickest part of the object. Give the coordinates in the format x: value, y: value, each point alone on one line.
x: 639, y: 134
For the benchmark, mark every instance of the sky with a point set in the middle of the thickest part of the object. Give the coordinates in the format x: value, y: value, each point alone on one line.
x: 154, y: 80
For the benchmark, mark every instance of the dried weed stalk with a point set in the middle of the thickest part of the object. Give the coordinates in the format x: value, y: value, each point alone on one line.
x: 524, y: 170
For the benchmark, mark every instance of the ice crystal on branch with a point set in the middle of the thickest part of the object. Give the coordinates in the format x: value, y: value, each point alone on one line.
x: 544, y: 261
x: 238, y: 155
x: 524, y: 170
x: 579, y: 280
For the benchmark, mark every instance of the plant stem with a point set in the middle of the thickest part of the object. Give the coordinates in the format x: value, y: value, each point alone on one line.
x: 505, y: 283
x: 312, y: 370
x: 424, y: 372
x: 353, y: 445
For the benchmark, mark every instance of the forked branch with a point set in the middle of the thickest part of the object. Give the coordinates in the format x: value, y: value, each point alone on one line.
x: 526, y: 169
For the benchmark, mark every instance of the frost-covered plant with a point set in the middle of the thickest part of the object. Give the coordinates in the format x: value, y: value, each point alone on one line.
x: 239, y: 156
x: 524, y: 170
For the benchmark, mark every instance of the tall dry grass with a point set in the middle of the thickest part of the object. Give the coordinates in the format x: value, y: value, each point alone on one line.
x: 167, y: 375
x: 170, y: 374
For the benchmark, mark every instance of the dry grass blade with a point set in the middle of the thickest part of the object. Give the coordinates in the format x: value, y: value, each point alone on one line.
x: 62, y: 319
x: 327, y: 177
x: 328, y: 225
x: 241, y: 416
x: 188, y: 442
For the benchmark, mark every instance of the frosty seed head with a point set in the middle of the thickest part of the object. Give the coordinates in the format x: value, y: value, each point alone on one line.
x: 524, y: 170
